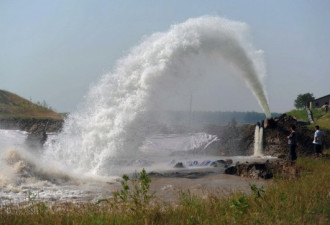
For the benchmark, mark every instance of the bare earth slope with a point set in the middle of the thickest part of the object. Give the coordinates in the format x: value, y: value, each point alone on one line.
x: 12, y: 105
x: 19, y: 113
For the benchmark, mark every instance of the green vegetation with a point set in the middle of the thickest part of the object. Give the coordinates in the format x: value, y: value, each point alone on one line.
x: 303, y: 100
x: 304, y: 200
x: 13, y: 106
x: 136, y: 199
x: 299, y: 113
x: 320, y: 117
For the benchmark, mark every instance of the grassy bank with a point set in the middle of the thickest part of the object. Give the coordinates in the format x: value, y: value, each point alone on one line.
x: 305, y: 200
x: 320, y: 117
x: 13, y: 106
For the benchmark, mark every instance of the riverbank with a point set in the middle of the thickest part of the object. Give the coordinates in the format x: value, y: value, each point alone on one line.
x: 32, y: 125
x: 303, y: 200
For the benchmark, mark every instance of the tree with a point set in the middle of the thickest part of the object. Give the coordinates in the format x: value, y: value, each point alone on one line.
x: 303, y: 100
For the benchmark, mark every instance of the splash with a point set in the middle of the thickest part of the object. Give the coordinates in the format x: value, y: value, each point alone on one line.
x: 154, y: 76
x: 20, y: 166
x: 258, y: 141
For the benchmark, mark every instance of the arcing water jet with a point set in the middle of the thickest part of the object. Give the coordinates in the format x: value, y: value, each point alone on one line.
x: 112, y: 123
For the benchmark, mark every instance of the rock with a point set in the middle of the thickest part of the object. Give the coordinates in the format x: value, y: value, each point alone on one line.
x: 264, y: 170
x: 36, y: 140
x: 32, y: 125
x: 179, y: 165
x: 225, y: 163
x: 281, y: 156
x: 231, y: 170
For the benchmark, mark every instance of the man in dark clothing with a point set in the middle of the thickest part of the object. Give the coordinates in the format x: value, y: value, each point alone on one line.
x: 292, y: 141
x: 326, y: 107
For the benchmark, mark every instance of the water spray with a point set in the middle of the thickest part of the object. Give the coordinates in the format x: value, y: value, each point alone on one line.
x: 111, y: 124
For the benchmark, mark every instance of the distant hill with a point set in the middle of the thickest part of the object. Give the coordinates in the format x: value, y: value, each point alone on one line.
x: 210, y: 117
x: 14, y: 106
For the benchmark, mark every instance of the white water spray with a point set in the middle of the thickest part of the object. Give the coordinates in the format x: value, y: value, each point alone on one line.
x: 112, y: 122
x: 258, y: 141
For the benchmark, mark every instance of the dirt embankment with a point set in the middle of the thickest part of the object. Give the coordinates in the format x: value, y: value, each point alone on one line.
x: 236, y: 139
x: 265, y: 170
x: 275, y: 137
x: 32, y: 125
x: 275, y: 144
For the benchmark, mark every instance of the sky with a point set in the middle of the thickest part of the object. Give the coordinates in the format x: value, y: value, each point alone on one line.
x: 54, y: 51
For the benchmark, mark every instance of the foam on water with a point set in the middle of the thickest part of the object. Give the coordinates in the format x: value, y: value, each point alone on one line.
x: 113, y: 121
x: 24, y: 177
x: 9, y: 138
x: 161, y: 144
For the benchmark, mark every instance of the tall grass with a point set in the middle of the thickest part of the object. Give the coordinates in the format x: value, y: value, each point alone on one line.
x: 305, y: 200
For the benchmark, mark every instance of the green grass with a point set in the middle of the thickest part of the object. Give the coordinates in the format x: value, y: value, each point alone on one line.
x: 14, y: 106
x: 320, y: 117
x: 305, y: 200
x: 300, y: 114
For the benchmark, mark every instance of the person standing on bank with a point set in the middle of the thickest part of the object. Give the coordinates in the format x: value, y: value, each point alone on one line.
x: 292, y: 141
x: 318, y: 141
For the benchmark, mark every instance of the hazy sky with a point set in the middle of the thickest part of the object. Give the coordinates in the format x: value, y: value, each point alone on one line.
x: 54, y: 50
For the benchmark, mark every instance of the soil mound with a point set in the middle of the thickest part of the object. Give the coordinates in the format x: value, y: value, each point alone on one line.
x: 264, y: 170
x: 275, y: 137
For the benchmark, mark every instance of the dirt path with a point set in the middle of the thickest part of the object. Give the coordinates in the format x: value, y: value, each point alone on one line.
x: 168, y: 188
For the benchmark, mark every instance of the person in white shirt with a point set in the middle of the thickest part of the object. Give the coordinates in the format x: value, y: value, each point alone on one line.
x: 318, y: 141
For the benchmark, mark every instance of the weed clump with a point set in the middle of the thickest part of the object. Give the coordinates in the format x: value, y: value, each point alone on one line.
x: 136, y: 197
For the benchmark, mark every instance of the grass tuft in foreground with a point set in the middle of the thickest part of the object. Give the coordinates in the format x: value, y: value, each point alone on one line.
x: 305, y: 200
